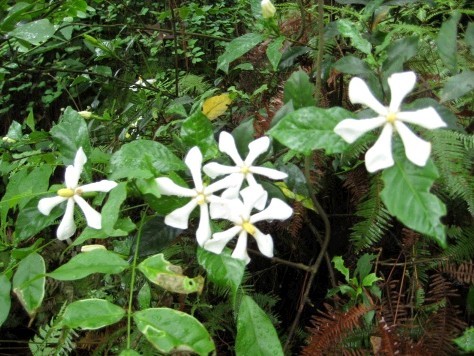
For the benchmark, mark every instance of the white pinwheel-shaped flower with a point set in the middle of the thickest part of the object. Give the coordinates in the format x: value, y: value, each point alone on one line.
x: 240, y: 214
x: 268, y: 9
x: 140, y: 83
x: 243, y: 169
x: 200, y: 195
x: 72, y: 194
x: 379, y: 156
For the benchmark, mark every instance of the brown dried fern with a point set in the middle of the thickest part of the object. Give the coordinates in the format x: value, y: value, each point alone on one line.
x: 462, y: 273
x: 330, y: 327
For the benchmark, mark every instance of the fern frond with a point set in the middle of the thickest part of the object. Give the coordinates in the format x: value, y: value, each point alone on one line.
x: 376, y: 219
x: 192, y: 84
x: 463, y: 247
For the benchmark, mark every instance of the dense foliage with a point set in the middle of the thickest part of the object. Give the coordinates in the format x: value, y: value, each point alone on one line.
x: 236, y: 177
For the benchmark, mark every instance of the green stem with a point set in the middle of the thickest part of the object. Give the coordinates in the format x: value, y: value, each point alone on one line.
x: 132, y: 282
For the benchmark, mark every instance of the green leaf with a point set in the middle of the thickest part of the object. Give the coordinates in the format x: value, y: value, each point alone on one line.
x: 197, y: 130
x: 469, y: 36
x: 169, y: 331
x: 15, y: 131
x: 30, y: 221
x: 168, y: 276
x: 5, y: 300
x: 299, y: 89
x: 70, y: 134
x: 458, y: 86
x: 256, y: 335
x: 144, y: 159
x: 352, y: 65
x: 406, y: 194
x: 223, y: 270
x: 91, y: 314
x: 129, y: 352
x: 349, y: 29
x: 144, y: 296
x: 86, y: 263
x: 111, y: 209
x: 237, y: 48
x: 274, y: 51
x: 29, y: 282
x: 312, y: 128
x: 35, y: 32
x: 364, y: 265
x: 466, y: 341
x: 370, y: 279
x: 339, y: 265
x: 447, y: 42
x: 398, y: 53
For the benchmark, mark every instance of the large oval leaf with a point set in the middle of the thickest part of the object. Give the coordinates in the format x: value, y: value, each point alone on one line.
x: 92, y: 314
x: 29, y: 282
x: 169, y: 330
x: 86, y: 263
x: 256, y: 335
x: 237, y: 48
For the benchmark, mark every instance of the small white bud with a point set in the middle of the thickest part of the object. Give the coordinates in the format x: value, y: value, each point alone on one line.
x: 88, y: 248
x: 85, y: 114
x: 268, y: 10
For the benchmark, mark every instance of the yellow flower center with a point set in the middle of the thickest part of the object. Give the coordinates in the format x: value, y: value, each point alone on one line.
x: 249, y: 227
x: 245, y: 170
x: 201, y: 198
x: 66, y: 193
x: 391, y: 117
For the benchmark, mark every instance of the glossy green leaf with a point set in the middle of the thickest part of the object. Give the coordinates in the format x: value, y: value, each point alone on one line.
x: 398, y: 53
x: 197, y: 130
x: 311, y: 128
x: 123, y: 227
x: 168, y: 276
x: 299, y: 90
x: 339, y: 265
x: 5, y: 299
x: 29, y: 282
x: 469, y: 36
x: 447, y: 42
x: 222, y: 269
x: 70, y: 134
x: 352, y: 65
x: 35, y: 32
x: 30, y: 221
x: 16, y: 13
x: 274, y: 53
x: 86, y: 263
x: 406, y: 194
x: 91, y: 314
x: 111, y: 209
x: 144, y: 159
x: 237, y: 48
x: 458, y: 85
x: 364, y: 265
x: 144, y: 296
x: 466, y: 341
x: 349, y: 29
x: 169, y: 331
x: 370, y: 279
x: 256, y: 334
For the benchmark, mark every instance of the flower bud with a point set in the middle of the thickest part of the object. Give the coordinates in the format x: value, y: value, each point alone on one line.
x: 85, y: 114
x: 268, y: 10
x: 7, y: 139
x: 88, y: 248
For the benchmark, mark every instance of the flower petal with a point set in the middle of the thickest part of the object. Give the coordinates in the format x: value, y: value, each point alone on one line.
x: 194, y: 162
x: 220, y: 239
x: 256, y: 148
x: 417, y: 150
x: 80, y: 160
x: 277, y: 209
x: 167, y: 187
x: 400, y: 85
x: 93, y: 218
x: 203, y: 232
x: 227, y: 145
x: 264, y: 243
x: 178, y: 218
x: 268, y: 172
x: 228, y: 209
x: 102, y: 186
x: 67, y: 227
x: 379, y: 156
x: 214, y: 169
x: 232, y: 181
x: 240, y: 250
x: 252, y: 196
x: 351, y: 129
x: 45, y: 205
x: 427, y: 118
x: 359, y: 93
x: 71, y: 177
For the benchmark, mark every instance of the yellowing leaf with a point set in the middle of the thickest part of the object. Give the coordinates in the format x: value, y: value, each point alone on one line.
x: 216, y: 106
x: 305, y: 201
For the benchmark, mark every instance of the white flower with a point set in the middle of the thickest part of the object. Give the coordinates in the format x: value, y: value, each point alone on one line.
x: 72, y: 194
x: 239, y: 213
x: 268, y: 10
x: 200, y: 195
x: 140, y: 83
x: 379, y: 156
x: 243, y: 169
